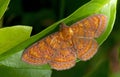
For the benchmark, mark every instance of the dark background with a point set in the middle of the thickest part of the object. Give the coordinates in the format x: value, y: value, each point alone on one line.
x: 42, y: 13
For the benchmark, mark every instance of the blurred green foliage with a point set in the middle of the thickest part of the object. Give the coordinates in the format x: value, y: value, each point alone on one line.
x: 42, y: 13
x: 8, y: 40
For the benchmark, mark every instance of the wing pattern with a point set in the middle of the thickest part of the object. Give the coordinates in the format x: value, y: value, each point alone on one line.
x: 61, y: 49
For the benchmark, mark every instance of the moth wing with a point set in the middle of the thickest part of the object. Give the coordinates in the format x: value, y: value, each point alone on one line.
x: 92, y: 26
x: 85, y: 48
x: 42, y: 51
x: 33, y: 55
x: 63, y: 59
x: 38, y: 54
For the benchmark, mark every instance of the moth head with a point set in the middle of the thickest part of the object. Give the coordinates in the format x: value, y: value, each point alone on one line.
x: 66, y: 31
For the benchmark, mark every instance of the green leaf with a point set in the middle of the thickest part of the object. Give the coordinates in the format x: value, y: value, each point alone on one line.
x: 106, y: 7
x: 13, y: 72
x: 12, y: 36
x: 3, y: 6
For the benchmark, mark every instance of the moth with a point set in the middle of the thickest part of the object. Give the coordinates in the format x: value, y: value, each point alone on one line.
x: 61, y: 49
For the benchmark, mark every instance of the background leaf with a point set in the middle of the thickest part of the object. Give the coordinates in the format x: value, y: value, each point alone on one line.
x: 3, y: 6
x: 12, y: 36
x: 15, y: 72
